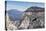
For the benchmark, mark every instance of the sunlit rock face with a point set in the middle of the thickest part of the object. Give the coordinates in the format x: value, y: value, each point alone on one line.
x: 9, y: 24
x: 28, y: 13
x: 25, y: 23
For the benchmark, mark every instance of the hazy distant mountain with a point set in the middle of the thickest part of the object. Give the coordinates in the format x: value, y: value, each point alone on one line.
x: 14, y: 14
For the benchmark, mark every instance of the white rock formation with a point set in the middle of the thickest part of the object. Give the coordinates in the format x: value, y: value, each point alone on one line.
x: 25, y: 23
x: 9, y: 24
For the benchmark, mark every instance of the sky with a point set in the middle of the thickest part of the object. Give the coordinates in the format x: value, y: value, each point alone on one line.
x: 27, y: 0
x: 22, y: 6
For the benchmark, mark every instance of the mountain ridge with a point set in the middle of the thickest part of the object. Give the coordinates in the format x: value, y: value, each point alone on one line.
x: 14, y: 14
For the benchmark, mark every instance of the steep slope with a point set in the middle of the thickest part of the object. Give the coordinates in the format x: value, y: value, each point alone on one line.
x: 34, y: 20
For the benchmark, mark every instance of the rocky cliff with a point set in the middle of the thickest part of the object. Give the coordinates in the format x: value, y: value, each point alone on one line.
x: 36, y: 20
